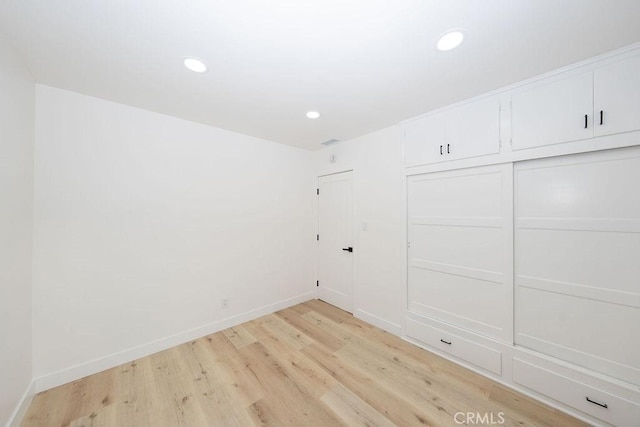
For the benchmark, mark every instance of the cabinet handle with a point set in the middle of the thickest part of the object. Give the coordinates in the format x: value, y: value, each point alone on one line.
x: 441, y: 150
x: 449, y: 343
x: 601, y: 117
x: 585, y: 121
x: 447, y: 148
x: 603, y: 405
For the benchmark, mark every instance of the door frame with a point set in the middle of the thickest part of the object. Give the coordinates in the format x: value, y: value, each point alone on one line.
x: 355, y: 237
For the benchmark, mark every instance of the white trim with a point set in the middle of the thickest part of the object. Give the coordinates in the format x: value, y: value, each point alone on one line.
x: 379, y: 322
x: 21, y: 409
x: 97, y: 365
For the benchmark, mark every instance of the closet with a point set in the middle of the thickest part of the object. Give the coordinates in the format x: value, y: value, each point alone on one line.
x: 524, y: 262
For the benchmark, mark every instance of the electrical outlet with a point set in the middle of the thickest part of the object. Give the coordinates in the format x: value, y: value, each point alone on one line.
x: 224, y: 303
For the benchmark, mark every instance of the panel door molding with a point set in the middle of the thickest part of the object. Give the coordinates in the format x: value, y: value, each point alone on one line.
x: 460, y: 249
x: 577, y: 246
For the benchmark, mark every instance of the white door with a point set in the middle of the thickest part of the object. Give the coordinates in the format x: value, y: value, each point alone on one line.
x: 473, y: 130
x: 423, y: 140
x: 553, y: 113
x: 617, y: 97
x: 335, y: 240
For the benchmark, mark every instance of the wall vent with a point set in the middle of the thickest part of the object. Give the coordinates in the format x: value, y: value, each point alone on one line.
x: 330, y: 142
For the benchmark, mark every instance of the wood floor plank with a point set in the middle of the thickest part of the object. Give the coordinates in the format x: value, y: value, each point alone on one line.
x: 395, y: 408
x: 353, y: 410
x: 304, y: 371
x: 311, y: 364
x: 319, y: 336
x: 219, y: 354
x: 239, y: 336
x: 289, y: 400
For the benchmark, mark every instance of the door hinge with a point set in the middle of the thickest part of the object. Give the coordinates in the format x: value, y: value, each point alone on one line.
x: 318, y: 191
x: 317, y: 283
x: 317, y: 237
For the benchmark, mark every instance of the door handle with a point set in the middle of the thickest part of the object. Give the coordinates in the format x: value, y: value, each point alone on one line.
x: 603, y: 405
x: 349, y: 249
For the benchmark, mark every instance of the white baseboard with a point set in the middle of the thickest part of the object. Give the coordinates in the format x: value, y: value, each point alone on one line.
x: 379, y: 322
x: 18, y: 414
x: 97, y: 365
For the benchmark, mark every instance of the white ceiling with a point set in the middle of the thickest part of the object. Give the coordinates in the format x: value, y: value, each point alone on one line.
x: 364, y: 64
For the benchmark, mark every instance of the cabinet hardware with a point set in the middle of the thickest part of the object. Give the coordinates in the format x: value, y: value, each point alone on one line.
x: 447, y: 148
x: 585, y: 121
x: 604, y: 405
x: 349, y: 249
x: 441, y: 150
x: 449, y: 343
x: 601, y: 117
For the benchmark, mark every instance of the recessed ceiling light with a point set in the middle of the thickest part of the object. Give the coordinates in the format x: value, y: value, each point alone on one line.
x: 450, y: 40
x: 195, y: 65
x: 313, y: 114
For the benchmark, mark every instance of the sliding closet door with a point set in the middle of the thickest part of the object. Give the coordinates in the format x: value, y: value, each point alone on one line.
x: 577, y: 259
x: 460, y: 261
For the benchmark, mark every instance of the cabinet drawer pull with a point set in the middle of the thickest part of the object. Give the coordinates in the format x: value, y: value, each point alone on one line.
x: 585, y: 121
x: 603, y: 405
x: 601, y: 117
x: 441, y: 150
x: 447, y: 148
x: 449, y: 343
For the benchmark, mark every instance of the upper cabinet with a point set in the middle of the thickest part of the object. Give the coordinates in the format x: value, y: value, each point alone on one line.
x: 470, y: 130
x: 601, y: 102
x: 552, y: 113
x: 590, y: 107
x: 617, y: 97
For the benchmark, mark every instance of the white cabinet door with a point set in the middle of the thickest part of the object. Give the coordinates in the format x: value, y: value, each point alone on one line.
x: 460, y: 249
x: 473, y: 130
x: 470, y: 130
x: 617, y: 97
x: 553, y: 113
x: 423, y: 139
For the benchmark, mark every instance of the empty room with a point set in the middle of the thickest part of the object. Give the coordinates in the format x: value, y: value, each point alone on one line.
x: 319, y: 213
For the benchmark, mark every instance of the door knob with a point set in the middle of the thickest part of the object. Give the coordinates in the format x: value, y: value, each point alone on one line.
x: 349, y: 249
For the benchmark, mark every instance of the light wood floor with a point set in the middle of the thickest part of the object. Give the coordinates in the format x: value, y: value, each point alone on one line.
x: 309, y: 365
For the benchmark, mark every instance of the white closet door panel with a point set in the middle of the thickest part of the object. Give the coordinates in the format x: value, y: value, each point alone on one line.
x: 461, y: 194
x: 609, y: 261
x: 617, y: 95
x: 460, y: 260
x: 553, y: 113
x: 473, y: 247
x: 581, y: 186
x: 589, y: 333
x: 457, y: 298
x: 577, y: 246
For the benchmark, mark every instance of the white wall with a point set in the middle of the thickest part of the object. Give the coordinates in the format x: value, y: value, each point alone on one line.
x: 144, y: 222
x: 16, y: 223
x: 379, y: 251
